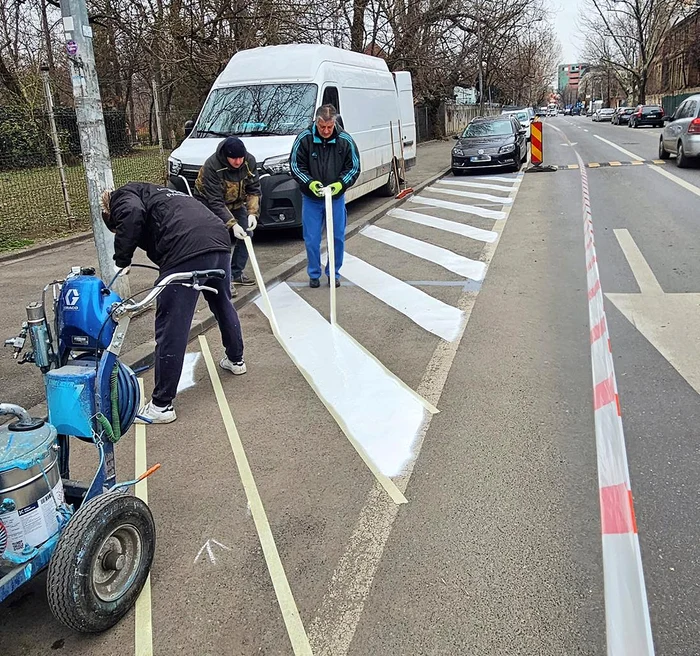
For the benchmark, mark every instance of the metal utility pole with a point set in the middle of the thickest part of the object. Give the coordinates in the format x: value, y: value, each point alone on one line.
x: 481, y: 67
x: 56, y: 143
x: 91, y: 128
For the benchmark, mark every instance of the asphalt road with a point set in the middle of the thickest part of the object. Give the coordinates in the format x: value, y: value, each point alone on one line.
x: 497, y: 550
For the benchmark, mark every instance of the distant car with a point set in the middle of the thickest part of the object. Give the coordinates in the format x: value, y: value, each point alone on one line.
x: 647, y: 115
x: 490, y: 142
x: 682, y: 134
x: 531, y: 111
x: 523, y: 117
x: 575, y: 111
x: 622, y: 115
x: 567, y: 111
x: 603, y: 115
x: 542, y: 111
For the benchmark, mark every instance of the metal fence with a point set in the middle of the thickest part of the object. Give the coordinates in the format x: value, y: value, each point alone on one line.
x: 449, y: 119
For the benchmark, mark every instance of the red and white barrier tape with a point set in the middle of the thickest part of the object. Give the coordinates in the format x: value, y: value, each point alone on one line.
x: 626, y: 608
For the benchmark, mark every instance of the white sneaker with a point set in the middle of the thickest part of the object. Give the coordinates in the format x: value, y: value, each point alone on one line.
x: 156, y: 415
x: 236, y: 368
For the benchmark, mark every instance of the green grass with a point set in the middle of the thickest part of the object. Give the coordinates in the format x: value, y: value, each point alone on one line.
x: 31, y: 201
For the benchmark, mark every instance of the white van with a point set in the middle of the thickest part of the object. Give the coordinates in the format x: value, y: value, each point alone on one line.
x: 267, y: 96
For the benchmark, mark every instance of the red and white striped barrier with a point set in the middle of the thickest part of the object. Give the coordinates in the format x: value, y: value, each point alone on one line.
x: 626, y: 610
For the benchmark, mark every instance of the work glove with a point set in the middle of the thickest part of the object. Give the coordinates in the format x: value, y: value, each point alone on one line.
x: 252, y: 222
x: 121, y: 271
x: 316, y: 188
x: 238, y: 232
x: 336, y: 188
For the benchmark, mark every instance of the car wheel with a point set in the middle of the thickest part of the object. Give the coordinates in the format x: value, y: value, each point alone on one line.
x: 457, y: 172
x: 681, y: 159
x: 663, y: 153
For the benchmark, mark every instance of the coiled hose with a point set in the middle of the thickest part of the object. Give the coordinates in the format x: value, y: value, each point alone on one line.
x: 124, y: 399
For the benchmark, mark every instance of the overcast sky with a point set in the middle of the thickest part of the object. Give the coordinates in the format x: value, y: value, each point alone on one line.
x: 565, y: 19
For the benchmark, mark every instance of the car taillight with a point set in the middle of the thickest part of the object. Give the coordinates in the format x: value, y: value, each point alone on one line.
x: 694, y: 127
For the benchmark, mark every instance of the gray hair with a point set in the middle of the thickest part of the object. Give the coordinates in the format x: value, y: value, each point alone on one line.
x: 326, y: 113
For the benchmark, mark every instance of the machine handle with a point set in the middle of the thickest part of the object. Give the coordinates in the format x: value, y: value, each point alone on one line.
x: 210, y: 273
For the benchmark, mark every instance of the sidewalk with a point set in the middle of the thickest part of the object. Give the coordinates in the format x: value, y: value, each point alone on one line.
x: 280, y: 254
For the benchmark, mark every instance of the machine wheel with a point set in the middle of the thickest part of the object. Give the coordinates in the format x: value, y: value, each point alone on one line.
x: 101, y: 562
x: 391, y: 188
x: 663, y: 153
x: 681, y: 159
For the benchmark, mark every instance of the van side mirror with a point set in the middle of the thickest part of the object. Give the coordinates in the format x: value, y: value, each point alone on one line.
x: 188, y: 127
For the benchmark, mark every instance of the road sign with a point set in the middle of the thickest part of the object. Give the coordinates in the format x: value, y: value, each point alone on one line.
x: 536, y: 150
x: 72, y: 48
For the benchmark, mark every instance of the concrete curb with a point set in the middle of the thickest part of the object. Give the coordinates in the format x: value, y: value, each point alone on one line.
x: 45, y: 248
x: 143, y: 355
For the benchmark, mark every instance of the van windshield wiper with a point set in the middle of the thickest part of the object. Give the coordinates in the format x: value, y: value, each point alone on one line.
x: 257, y: 133
x: 214, y: 132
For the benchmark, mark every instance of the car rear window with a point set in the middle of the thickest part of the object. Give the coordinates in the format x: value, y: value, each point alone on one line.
x: 651, y: 109
x: 488, y: 129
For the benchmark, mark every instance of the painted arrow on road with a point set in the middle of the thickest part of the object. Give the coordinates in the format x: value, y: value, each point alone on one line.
x: 666, y: 320
x: 208, y: 548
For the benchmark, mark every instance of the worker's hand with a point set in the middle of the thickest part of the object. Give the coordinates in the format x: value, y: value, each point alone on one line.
x: 316, y: 188
x: 252, y: 222
x: 238, y: 232
x: 121, y: 271
x: 336, y: 188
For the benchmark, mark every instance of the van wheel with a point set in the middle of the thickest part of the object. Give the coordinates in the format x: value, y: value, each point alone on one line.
x: 391, y: 188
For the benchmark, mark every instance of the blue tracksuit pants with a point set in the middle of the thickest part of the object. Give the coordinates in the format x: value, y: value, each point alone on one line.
x: 313, y: 217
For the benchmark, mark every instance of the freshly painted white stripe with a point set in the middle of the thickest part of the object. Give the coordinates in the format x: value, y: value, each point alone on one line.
x: 488, y: 236
x: 620, y: 148
x: 472, y: 194
x: 188, y: 368
x: 143, y: 618
x: 477, y: 185
x: 679, y: 181
x: 622, y: 552
x: 379, y: 413
x: 459, y: 207
x: 648, y: 284
x: 429, y: 313
x: 443, y: 257
x: 495, y: 178
x: 280, y: 583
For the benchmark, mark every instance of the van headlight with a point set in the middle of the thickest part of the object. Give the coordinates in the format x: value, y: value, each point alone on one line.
x: 277, y: 164
x: 175, y: 165
x: 507, y: 149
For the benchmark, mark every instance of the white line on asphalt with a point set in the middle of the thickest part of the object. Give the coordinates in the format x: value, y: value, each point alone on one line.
x: 620, y: 148
x: 428, y: 312
x: 476, y: 185
x: 443, y: 224
x: 679, y: 181
x: 143, y: 624
x: 380, y: 417
x: 585, y: 130
x: 285, y: 598
x: 501, y: 200
x: 514, y: 180
x: 443, y: 257
x: 459, y: 207
x: 332, y: 630
x: 648, y: 284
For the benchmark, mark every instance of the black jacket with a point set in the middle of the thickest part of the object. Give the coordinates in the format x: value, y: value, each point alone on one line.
x: 224, y: 189
x: 170, y: 226
x: 326, y: 160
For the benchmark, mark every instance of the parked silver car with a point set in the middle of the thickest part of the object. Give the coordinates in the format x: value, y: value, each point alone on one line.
x: 682, y: 133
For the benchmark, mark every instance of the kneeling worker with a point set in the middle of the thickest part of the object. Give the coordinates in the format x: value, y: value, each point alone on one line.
x: 178, y: 234
x: 228, y: 184
x: 324, y: 156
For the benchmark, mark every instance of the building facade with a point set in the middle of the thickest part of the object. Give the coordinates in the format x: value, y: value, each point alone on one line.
x: 570, y: 75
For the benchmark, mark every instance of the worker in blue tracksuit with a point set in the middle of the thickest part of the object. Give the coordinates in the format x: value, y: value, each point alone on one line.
x: 324, y: 156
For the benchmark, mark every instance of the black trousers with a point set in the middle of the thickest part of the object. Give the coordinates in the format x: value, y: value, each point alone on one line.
x: 174, y: 311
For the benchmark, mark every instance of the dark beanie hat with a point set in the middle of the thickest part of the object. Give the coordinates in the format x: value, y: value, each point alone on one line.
x: 233, y: 147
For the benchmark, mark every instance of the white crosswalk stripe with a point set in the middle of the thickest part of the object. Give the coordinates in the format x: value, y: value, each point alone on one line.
x: 475, y: 185
x: 463, y: 229
x: 472, y: 194
x: 460, y: 207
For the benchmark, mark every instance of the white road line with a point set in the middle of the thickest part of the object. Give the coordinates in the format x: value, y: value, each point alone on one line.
x: 381, y: 417
x: 476, y: 185
x: 285, y: 598
x: 429, y: 313
x: 679, y: 181
x: 648, y: 284
x: 459, y: 207
x: 620, y: 148
x: 495, y: 178
x: 443, y: 257
x: 332, y: 630
x: 463, y: 229
x: 143, y: 624
x: 471, y: 194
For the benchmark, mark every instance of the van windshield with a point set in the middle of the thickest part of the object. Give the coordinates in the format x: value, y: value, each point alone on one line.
x: 261, y: 109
